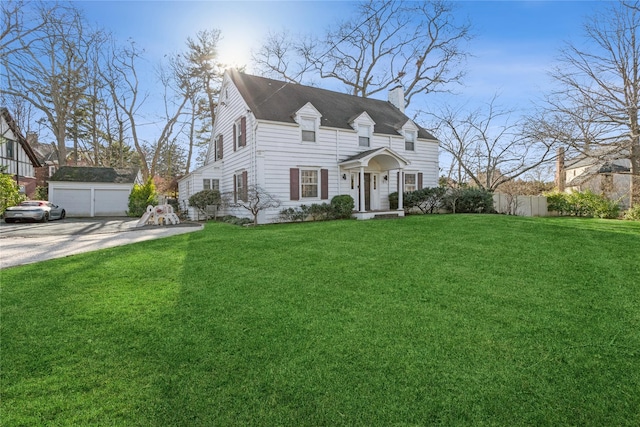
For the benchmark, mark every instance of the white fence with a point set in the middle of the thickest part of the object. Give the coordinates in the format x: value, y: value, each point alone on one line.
x: 520, y: 205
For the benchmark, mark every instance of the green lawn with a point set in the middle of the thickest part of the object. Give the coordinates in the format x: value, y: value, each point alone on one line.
x: 431, y: 320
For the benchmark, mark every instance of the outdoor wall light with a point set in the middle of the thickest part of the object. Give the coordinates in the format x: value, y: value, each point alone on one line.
x: 344, y: 176
x: 385, y: 177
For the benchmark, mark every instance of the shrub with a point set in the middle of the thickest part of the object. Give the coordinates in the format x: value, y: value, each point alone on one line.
x: 342, y: 206
x: 557, y: 202
x: 425, y: 199
x: 586, y: 203
x: 230, y: 219
x: 320, y: 212
x: 393, y: 200
x: 633, y: 214
x: 468, y: 200
x: 296, y: 214
x: 142, y: 196
x: 41, y: 193
x: 204, y: 198
x: 9, y: 192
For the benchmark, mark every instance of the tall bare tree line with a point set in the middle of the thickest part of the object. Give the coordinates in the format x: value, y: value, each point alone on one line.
x: 85, y: 88
x: 88, y: 87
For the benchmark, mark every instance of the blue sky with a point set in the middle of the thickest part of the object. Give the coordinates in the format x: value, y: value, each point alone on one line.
x: 515, y: 41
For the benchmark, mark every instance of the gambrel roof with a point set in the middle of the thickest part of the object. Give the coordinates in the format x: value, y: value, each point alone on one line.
x: 279, y: 101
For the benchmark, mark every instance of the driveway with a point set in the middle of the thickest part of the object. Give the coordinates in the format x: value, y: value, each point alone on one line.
x: 26, y: 243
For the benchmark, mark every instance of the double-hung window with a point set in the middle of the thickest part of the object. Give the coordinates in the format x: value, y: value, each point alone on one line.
x: 410, y: 182
x: 211, y: 184
x: 308, y: 130
x: 240, y: 133
x: 10, y: 149
x: 364, y: 135
x: 218, y: 148
x: 410, y: 140
x: 240, y: 189
x: 309, y: 183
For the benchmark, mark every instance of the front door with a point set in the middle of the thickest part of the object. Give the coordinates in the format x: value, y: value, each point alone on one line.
x: 367, y: 191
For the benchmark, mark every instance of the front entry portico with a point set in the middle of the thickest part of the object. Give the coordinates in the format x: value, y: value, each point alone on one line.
x: 370, y: 177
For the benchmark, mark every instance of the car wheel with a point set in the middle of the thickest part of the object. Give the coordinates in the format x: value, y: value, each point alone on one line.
x: 8, y: 221
x: 63, y: 214
x: 45, y: 217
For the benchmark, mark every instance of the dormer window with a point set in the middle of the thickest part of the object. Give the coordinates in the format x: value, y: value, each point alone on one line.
x: 308, y: 126
x: 410, y: 140
x: 364, y: 136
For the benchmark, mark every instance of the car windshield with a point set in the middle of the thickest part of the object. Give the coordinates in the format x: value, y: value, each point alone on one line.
x: 32, y: 204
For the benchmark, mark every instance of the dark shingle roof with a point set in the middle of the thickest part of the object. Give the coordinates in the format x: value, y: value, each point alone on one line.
x: 95, y: 174
x: 278, y: 101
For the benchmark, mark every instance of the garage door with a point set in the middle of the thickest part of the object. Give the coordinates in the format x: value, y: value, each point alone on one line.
x: 111, y: 202
x: 76, y: 202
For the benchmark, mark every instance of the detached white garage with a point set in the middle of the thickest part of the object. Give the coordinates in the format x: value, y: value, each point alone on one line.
x: 92, y: 191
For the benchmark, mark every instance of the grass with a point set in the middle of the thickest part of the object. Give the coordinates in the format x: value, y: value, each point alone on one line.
x: 431, y: 320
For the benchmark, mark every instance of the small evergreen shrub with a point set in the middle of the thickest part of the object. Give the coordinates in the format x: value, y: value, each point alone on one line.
x: 297, y: 214
x: 393, y: 200
x: 342, y: 206
x: 427, y: 200
x: 585, y: 203
x: 142, y: 196
x: 633, y: 214
x: 204, y: 198
x: 230, y: 219
x: 9, y: 192
x: 41, y: 193
x: 321, y: 212
x: 468, y: 200
x: 557, y: 202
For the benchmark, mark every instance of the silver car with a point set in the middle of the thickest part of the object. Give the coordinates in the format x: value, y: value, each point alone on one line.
x: 34, y: 210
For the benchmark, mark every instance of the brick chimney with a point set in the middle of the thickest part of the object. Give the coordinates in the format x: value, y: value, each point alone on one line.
x: 32, y: 138
x: 560, y: 173
x: 396, y: 97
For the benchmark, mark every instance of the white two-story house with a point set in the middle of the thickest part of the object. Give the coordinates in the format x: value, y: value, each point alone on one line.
x: 305, y: 145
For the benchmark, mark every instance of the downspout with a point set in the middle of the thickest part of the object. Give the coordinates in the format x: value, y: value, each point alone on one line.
x: 338, y: 161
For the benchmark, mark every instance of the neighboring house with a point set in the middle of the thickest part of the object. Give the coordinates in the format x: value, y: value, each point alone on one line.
x: 305, y: 145
x: 17, y: 157
x: 93, y: 191
x: 608, y: 176
x: 48, y: 156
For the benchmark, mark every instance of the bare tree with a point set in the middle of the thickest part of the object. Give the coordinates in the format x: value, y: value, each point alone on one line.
x: 596, y: 106
x: 46, y: 64
x: 414, y: 44
x: 488, y: 147
x: 256, y: 200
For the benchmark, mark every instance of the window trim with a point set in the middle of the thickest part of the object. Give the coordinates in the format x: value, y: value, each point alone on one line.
x: 217, y: 149
x: 240, y: 186
x: 302, y: 184
x: 10, y: 150
x: 410, y: 137
x: 305, y: 124
x: 364, y: 133
x: 415, y: 183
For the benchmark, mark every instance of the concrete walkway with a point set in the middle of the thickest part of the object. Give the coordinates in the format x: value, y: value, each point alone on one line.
x: 28, y: 243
